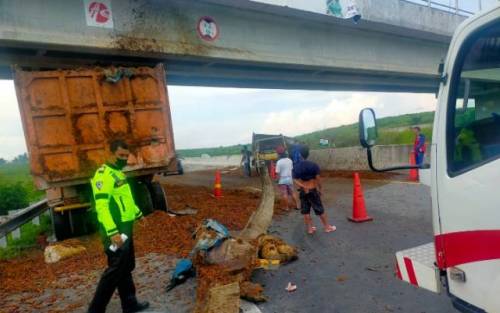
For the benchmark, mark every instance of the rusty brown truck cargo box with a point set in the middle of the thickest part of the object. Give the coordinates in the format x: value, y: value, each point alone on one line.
x: 70, y: 116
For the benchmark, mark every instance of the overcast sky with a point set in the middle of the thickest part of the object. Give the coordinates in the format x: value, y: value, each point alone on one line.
x: 207, y: 117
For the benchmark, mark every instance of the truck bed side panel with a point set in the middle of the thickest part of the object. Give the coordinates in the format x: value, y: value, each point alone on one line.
x: 70, y: 116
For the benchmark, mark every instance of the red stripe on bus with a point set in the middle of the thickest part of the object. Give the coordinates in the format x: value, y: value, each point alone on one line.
x: 466, y: 247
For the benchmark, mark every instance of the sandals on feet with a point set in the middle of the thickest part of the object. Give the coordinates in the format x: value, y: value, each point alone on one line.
x: 330, y: 229
x: 311, y: 230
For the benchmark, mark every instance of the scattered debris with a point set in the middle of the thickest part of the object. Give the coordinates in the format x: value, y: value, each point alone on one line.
x: 235, y: 258
x: 212, y: 276
x: 269, y: 264
x: 291, y: 287
x: 274, y: 248
x: 183, y: 270
x: 223, y: 299
x: 252, y: 292
x: 341, y: 278
x: 188, y: 210
x: 63, y: 250
x: 209, y: 235
x: 114, y: 75
x: 234, y: 254
x: 163, y: 234
x: 230, y: 262
x: 252, y: 189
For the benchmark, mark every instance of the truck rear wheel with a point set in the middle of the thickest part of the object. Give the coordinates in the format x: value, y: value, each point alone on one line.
x: 142, y: 196
x: 62, y: 229
x: 158, y: 196
x: 180, y: 168
x: 71, y: 223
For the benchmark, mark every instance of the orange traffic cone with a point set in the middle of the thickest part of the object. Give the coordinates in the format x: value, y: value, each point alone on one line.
x: 217, y: 185
x: 413, y: 172
x: 272, y: 170
x: 358, y: 203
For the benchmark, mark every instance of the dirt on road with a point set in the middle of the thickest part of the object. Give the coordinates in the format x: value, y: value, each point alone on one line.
x: 160, y: 233
x: 330, y: 273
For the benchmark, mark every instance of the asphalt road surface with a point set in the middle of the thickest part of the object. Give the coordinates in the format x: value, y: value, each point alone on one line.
x: 352, y: 270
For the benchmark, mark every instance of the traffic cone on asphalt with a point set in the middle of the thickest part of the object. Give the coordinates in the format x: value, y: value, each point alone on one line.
x: 358, y: 203
x: 217, y: 185
x: 414, y: 171
x: 272, y: 170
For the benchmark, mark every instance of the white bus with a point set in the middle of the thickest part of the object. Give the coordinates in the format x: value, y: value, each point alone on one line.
x: 464, y: 259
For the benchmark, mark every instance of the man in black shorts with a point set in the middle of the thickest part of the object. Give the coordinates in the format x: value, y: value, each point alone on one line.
x: 306, y: 176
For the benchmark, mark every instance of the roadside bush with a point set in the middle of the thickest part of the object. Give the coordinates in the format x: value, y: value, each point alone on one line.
x: 12, y: 197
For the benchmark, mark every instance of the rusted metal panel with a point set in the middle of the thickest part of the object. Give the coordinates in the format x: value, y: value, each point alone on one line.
x: 70, y: 116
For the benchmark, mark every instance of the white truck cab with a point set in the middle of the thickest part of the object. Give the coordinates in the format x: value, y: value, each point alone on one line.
x: 464, y: 259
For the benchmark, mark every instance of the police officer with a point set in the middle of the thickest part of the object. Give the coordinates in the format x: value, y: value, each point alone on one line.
x: 116, y: 213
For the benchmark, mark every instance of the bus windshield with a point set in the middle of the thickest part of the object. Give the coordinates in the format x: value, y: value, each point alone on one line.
x: 474, y: 112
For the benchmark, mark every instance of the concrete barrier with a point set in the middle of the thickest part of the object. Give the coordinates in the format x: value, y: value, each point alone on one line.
x: 208, y: 162
x: 350, y: 158
x: 354, y: 158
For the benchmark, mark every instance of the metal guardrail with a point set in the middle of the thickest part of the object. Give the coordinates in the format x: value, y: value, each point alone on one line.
x: 444, y: 7
x: 24, y: 217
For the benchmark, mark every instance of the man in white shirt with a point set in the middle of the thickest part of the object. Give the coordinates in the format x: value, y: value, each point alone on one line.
x: 284, y: 168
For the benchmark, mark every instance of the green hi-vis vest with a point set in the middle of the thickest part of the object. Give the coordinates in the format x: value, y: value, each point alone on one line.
x: 114, y: 203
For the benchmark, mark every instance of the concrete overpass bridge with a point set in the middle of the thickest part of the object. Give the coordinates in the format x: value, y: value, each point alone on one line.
x: 395, y: 47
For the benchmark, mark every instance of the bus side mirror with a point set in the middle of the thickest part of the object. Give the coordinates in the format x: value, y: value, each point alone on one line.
x: 441, y: 68
x: 368, y: 138
x: 367, y: 128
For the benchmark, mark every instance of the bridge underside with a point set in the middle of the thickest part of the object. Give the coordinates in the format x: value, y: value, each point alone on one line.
x: 258, y: 47
x: 224, y: 73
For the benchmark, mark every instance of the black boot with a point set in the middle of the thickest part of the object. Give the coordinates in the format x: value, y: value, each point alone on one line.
x: 138, y: 307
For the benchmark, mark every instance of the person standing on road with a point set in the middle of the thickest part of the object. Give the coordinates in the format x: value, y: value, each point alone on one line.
x: 306, y: 175
x: 116, y: 213
x: 284, y: 168
x: 295, y: 153
x: 419, y: 146
x: 245, y: 161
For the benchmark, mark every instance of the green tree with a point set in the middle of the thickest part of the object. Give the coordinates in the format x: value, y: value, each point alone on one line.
x: 2, y: 161
x: 21, y: 159
x: 12, y: 197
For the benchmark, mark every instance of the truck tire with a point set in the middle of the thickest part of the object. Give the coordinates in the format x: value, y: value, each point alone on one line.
x: 142, y: 196
x: 180, y: 169
x: 82, y: 223
x: 158, y: 196
x: 62, y: 229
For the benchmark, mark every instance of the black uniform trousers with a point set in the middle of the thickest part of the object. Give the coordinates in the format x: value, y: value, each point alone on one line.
x: 118, y: 275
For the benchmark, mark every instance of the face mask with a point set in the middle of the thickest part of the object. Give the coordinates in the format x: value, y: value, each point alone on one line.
x: 120, y: 163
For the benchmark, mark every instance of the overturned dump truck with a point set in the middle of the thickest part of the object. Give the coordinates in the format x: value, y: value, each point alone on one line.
x: 70, y: 116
